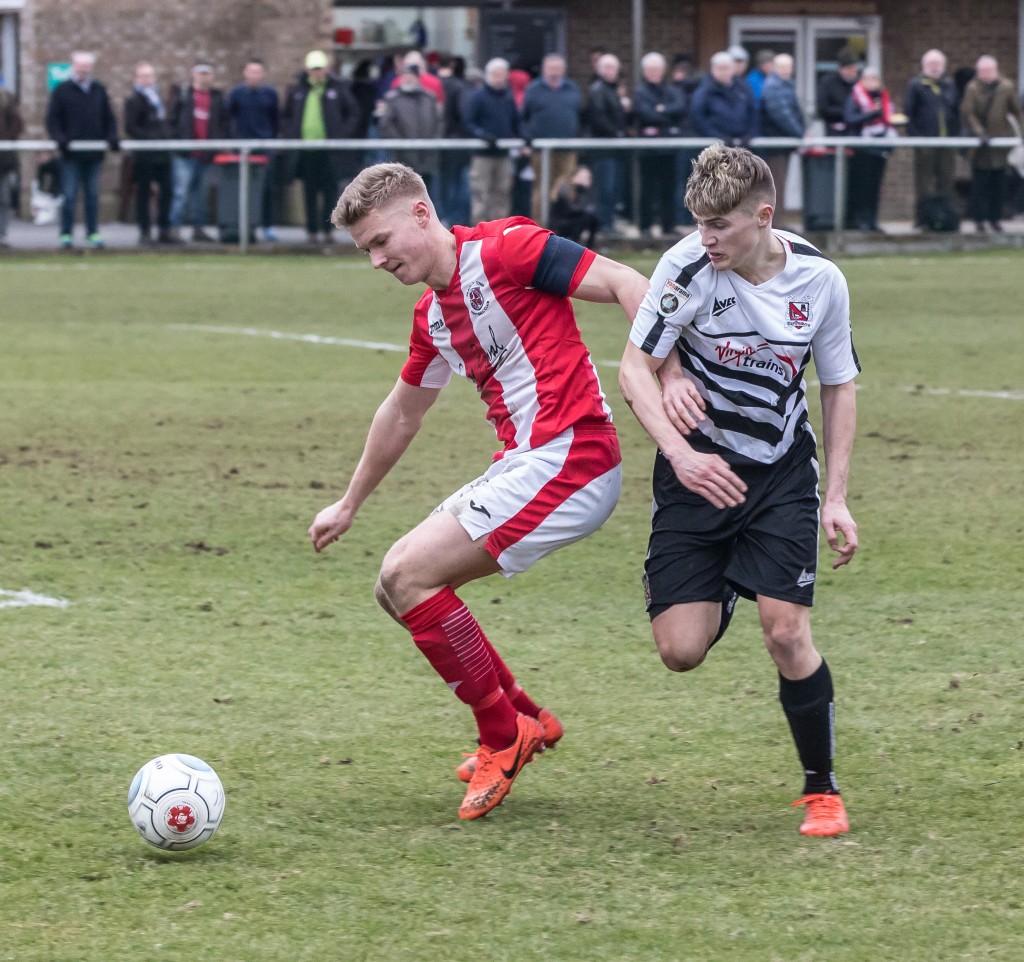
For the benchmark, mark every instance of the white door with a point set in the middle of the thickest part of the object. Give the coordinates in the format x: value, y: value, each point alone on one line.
x: 813, y: 42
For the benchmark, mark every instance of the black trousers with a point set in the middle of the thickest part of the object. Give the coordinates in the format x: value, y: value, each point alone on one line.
x: 987, y: 195
x: 866, y: 171
x: 658, y: 191
x: 149, y: 174
x: 319, y: 189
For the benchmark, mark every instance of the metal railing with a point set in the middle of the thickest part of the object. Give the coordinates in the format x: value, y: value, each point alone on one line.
x: 246, y: 148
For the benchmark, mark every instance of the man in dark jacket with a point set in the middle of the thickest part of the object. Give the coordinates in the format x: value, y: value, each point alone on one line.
x: 781, y: 116
x: 658, y: 111
x: 254, y: 114
x: 607, y: 115
x: 319, y: 106
x: 491, y: 114
x: 454, y: 164
x: 145, y: 118
x: 551, y: 108
x: 835, y: 90
x: 723, y: 105
x: 79, y: 109
x: 197, y: 112
x: 931, y: 108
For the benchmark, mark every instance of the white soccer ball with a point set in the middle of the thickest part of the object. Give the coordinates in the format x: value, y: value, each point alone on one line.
x: 176, y: 802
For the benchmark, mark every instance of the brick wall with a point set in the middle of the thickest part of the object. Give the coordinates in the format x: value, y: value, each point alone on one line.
x: 668, y: 28
x: 173, y: 35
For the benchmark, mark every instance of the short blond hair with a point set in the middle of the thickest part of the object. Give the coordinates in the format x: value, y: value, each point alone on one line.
x: 375, y: 187
x: 725, y: 178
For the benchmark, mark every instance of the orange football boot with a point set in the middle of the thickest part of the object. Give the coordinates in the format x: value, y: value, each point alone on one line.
x: 496, y: 771
x: 826, y: 815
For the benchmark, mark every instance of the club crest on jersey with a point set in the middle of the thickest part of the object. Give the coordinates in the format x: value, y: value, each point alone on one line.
x: 673, y: 297
x: 798, y: 315
x: 475, y: 298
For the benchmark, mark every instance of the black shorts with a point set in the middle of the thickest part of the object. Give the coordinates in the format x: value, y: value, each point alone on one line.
x: 766, y: 546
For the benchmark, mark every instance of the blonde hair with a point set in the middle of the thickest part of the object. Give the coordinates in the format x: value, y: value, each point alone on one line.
x: 376, y: 187
x: 725, y: 178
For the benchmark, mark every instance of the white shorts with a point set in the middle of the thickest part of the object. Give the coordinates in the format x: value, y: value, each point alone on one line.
x: 534, y: 502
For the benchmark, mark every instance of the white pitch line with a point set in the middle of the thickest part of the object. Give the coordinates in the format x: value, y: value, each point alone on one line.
x: 386, y: 346
x: 312, y: 338
x: 285, y: 336
x: 27, y: 599
x: 960, y: 392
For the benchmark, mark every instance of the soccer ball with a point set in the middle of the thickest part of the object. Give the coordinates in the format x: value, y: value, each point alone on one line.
x: 176, y: 802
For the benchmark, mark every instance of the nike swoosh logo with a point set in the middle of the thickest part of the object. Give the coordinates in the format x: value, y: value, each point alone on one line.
x: 510, y: 773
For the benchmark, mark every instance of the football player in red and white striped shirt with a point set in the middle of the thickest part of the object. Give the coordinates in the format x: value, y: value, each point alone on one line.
x: 496, y: 311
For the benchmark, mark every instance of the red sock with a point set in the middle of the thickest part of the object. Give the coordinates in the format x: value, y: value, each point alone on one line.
x: 451, y: 640
x: 513, y: 689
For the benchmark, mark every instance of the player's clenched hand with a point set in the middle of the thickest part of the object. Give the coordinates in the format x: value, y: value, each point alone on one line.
x: 711, y: 477
x: 682, y: 403
x: 837, y: 520
x: 329, y: 525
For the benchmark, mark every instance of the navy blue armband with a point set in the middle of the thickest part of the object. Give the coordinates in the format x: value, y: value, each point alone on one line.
x: 557, y: 265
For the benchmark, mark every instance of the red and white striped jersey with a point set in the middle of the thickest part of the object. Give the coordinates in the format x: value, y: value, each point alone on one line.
x: 506, y: 323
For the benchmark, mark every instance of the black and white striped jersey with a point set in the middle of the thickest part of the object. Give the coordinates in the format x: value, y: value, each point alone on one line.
x: 746, y: 347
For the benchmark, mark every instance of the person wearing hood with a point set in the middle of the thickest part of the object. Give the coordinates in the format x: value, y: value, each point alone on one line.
x: 319, y: 106
x: 411, y: 112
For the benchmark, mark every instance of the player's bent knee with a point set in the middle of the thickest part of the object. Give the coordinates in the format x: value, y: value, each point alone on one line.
x: 680, y: 656
x: 786, y: 634
x: 383, y: 600
x: 392, y: 581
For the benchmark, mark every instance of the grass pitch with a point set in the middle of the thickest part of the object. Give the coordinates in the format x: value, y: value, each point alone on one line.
x: 160, y: 477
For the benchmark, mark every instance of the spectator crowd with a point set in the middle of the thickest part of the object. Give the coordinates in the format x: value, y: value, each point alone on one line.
x: 422, y: 98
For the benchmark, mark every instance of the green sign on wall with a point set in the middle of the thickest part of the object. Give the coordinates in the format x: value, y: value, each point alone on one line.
x: 57, y: 73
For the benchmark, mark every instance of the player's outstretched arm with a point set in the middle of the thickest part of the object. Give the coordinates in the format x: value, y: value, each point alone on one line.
x: 394, y: 426
x: 609, y: 282
x: 705, y: 474
x: 839, y: 425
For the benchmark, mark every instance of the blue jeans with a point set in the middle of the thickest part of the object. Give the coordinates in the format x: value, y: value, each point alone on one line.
x: 84, y: 173
x: 608, y: 183
x: 191, y: 191
x: 454, y: 187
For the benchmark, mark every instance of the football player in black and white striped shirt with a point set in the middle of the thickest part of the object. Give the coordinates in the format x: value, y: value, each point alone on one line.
x: 736, y: 503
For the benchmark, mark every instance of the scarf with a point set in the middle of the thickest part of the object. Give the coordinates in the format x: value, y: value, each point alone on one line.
x: 867, y: 103
x: 153, y: 96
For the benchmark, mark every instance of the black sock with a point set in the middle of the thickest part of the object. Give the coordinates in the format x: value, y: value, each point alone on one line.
x: 810, y: 711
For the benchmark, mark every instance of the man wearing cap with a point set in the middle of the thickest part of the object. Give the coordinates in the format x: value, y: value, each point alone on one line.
x: 835, y: 90
x: 740, y: 62
x: 319, y: 106
x: 197, y: 112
